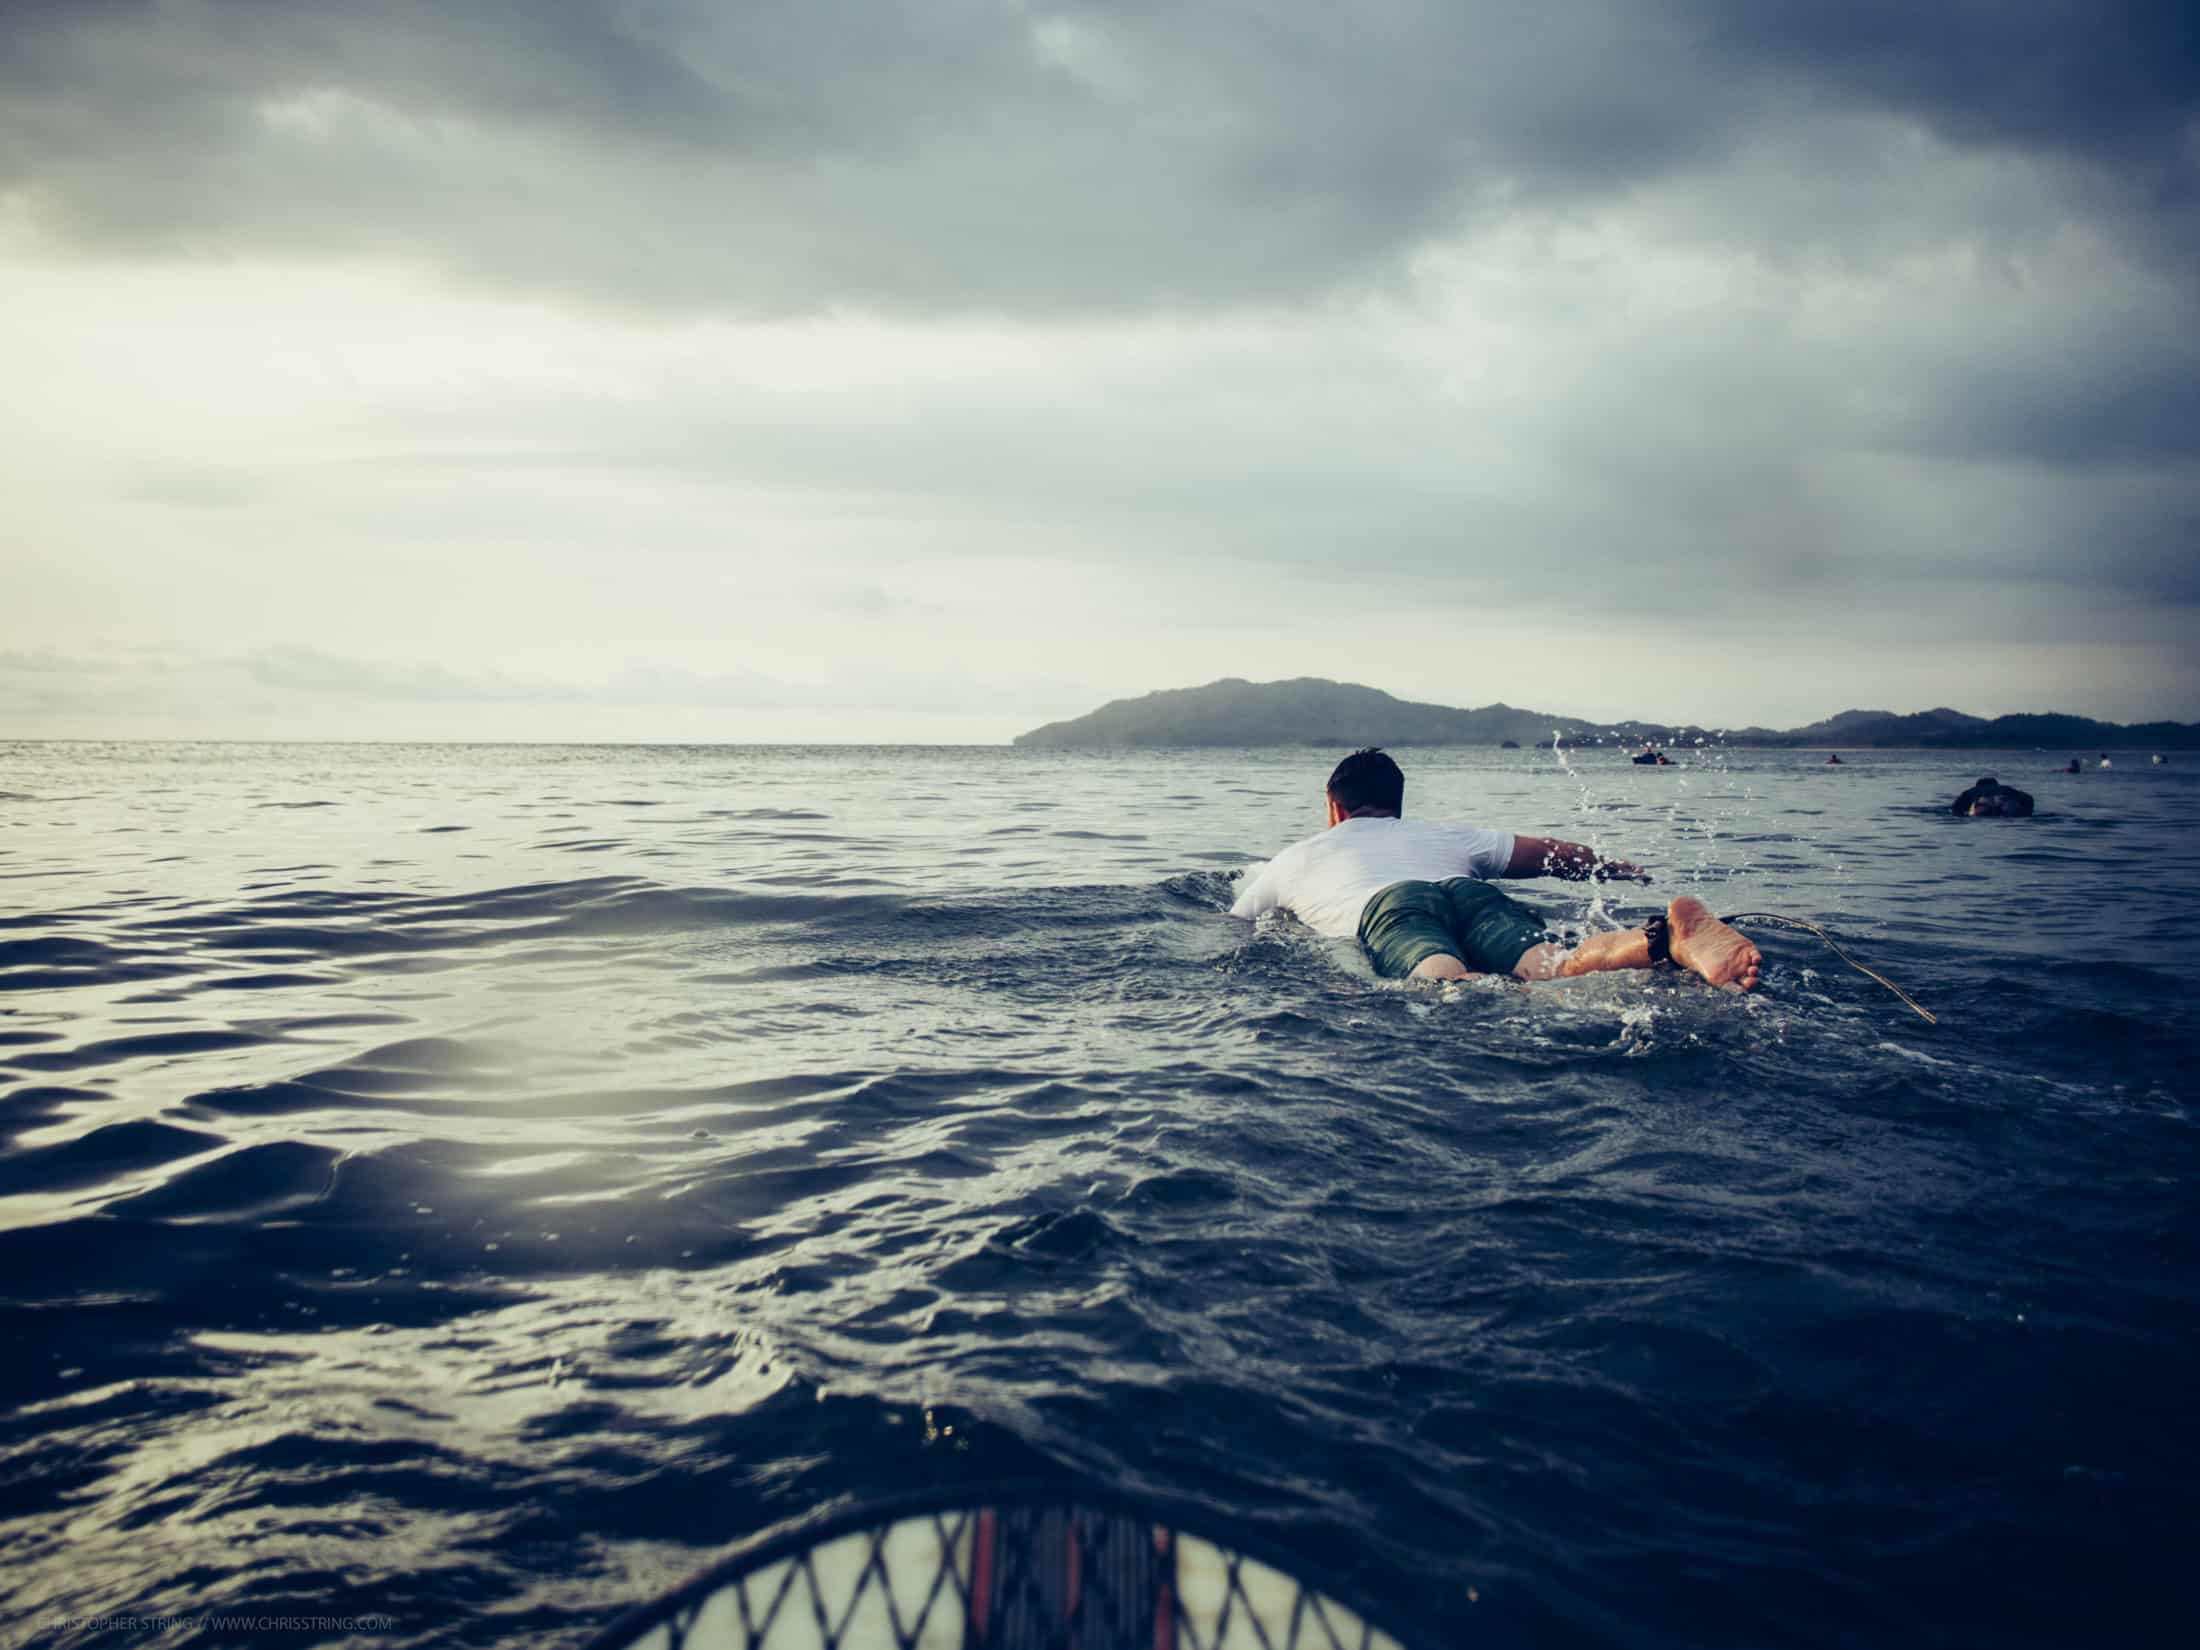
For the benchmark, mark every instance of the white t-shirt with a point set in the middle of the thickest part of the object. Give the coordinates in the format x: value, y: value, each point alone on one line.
x: 1327, y: 879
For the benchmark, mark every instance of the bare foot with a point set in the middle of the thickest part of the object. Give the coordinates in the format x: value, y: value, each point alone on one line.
x: 1705, y: 945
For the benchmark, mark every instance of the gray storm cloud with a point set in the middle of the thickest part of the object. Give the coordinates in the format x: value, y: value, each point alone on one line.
x: 980, y: 154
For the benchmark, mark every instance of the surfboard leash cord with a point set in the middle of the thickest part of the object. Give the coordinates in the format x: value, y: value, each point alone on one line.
x: 1832, y: 945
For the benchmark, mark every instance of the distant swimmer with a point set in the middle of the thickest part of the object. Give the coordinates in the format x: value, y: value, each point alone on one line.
x: 1834, y: 760
x: 1416, y: 894
x: 2161, y: 761
x: 2074, y: 767
x: 2105, y: 762
x: 1651, y: 757
x: 1991, y: 799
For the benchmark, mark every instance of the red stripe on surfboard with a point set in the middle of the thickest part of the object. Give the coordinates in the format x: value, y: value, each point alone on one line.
x: 981, y: 1574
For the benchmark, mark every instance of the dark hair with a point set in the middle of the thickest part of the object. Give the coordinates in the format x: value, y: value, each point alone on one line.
x: 1368, y: 779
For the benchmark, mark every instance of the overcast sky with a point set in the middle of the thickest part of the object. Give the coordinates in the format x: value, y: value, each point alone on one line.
x: 928, y: 369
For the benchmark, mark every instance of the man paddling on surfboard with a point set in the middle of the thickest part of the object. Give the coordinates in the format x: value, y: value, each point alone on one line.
x: 1416, y: 895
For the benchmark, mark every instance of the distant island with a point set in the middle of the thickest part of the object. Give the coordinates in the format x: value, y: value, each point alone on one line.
x: 1311, y: 711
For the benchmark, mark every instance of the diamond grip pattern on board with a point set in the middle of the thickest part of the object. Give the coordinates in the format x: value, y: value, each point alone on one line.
x: 1024, y: 1578
x: 901, y: 1586
x: 1226, y: 1601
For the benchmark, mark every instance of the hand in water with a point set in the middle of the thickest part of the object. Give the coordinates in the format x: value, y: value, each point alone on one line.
x: 1619, y: 870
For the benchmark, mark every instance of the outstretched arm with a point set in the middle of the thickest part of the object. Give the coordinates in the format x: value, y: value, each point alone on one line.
x: 1256, y: 895
x: 1547, y: 856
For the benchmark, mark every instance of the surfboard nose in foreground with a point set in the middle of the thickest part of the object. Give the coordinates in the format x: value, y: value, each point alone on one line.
x: 1002, y: 1572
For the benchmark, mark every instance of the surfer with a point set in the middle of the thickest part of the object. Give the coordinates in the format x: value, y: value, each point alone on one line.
x: 1416, y: 894
x: 1991, y: 799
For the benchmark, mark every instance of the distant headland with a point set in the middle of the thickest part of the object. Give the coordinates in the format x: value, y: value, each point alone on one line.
x: 1311, y: 711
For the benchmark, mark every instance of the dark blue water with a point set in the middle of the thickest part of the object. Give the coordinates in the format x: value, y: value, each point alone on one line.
x: 468, y: 1185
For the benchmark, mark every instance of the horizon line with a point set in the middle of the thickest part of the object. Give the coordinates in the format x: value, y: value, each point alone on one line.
x: 971, y: 745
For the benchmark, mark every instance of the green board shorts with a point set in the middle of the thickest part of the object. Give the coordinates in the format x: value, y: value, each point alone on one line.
x: 1462, y: 917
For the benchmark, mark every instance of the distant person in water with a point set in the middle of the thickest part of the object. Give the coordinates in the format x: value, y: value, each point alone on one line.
x: 2074, y: 767
x: 1991, y: 799
x: 1416, y: 895
x: 1834, y: 760
x: 2105, y: 762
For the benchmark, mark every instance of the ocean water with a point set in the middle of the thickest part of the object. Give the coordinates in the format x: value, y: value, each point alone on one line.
x: 467, y: 1185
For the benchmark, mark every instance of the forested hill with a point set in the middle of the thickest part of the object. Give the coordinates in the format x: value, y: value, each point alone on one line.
x: 1309, y: 710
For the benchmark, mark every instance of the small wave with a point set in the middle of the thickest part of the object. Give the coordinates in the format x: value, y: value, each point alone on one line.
x: 251, y: 1182
x: 113, y: 1149
x: 146, y: 1045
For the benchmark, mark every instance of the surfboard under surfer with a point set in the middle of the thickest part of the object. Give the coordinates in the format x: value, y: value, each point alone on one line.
x: 1416, y: 894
